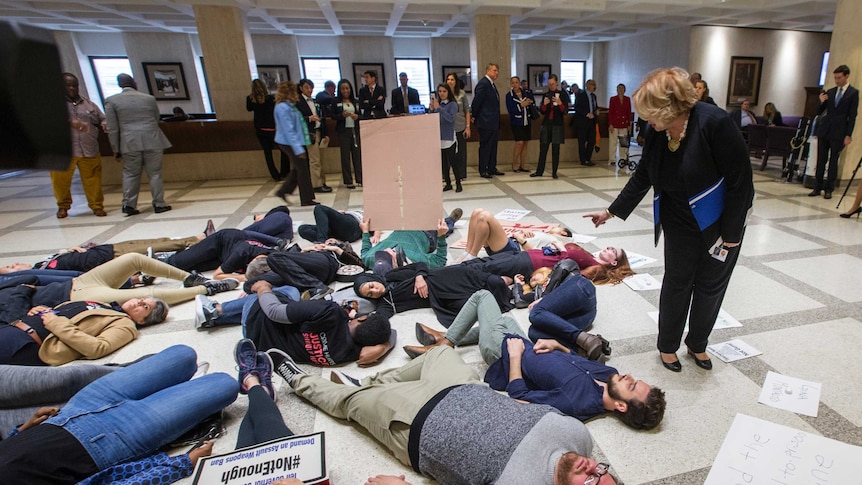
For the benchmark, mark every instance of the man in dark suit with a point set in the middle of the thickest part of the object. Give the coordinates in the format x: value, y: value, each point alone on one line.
x: 403, y: 97
x: 743, y: 117
x: 312, y: 112
x: 586, y: 115
x: 834, y: 128
x: 486, y: 112
x: 372, y: 97
x: 326, y: 98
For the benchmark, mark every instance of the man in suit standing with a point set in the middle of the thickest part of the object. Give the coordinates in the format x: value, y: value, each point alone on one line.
x: 313, y: 115
x: 85, y: 119
x: 834, y: 128
x: 372, y: 97
x: 586, y: 115
x: 403, y: 97
x: 486, y: 112
x: 137, y: 140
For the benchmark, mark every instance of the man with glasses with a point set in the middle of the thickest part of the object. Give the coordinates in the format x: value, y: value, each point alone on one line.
x: 435, y: 415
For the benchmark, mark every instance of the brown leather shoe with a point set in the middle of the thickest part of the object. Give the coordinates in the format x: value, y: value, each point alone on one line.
x: 100, y: 212
x: 427, y: 335
x: 62, y: 213
x: 592, y: 345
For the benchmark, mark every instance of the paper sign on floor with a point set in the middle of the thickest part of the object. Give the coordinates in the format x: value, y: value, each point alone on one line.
x: 511, y: 215
x: 724, y: 320
x: 790, y: 394
x: 642, y: 282
x: 582, y: 238
x: 300, y: 457
x: 757, y: 452
x: 733, y: 350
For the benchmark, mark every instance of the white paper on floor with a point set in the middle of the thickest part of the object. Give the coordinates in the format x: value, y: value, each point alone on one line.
x: 511, y: 215
x: 643, y: 282
x: 582, y: 238
x: 757, y: 452
x: 790, y: 394
x: 724, y: 320
x: 733, y: 350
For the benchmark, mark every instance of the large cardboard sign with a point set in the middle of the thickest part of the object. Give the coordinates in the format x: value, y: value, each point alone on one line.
x: 757, y: 452
x: 401, y: 172
x: 300, y: 457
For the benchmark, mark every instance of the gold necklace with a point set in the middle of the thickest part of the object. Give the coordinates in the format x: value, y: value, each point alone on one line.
x: 673, y: 145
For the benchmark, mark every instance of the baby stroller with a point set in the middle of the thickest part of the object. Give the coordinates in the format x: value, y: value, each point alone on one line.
x: 625, y: 141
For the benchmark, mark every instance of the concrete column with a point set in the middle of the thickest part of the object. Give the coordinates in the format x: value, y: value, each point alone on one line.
x: 490, y: 41
x: 228, y: 59
x: 846, y: 48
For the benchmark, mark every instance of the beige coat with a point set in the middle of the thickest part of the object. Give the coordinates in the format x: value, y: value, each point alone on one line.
x: 90, y: 334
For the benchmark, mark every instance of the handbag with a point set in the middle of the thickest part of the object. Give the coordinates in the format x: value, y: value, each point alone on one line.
x: 534, y: 112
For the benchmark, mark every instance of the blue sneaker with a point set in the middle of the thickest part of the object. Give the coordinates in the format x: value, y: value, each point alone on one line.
x: 245, y: 355
x: 264, y: 373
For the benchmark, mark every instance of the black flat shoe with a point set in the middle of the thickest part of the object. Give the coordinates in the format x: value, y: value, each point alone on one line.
x: 703, y: 364
x: 672, y: 366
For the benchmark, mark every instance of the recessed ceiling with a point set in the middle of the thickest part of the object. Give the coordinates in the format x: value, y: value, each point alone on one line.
x: 573, y: 20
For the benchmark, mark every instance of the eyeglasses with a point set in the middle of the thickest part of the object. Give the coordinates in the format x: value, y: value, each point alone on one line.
x: 601, y: 470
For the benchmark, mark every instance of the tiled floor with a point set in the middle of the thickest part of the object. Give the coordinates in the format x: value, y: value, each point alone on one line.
x: 796, y: 291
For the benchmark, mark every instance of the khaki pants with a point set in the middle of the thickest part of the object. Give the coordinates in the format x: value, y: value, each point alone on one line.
x: 387, y: 402
x: 90, y: 169
x: 159, y: 245
x: 317, y: 177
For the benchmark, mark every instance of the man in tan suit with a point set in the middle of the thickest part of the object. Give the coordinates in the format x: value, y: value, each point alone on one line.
x: 133, y: 129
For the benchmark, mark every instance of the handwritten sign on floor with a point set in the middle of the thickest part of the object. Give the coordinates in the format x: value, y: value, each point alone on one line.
x: 790, y: 394
x: 757, y: 452
x: 733, y: 350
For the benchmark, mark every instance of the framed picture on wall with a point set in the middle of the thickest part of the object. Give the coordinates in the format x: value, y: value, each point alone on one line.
x: 744, y: 81
x: 166, y: 80
x: 361, y: 67
x: 463, y: 73
x: 537, y: 77
x: 272, y: 75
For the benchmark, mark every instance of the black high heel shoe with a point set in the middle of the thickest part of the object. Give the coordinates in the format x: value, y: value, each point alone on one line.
x: 703, y: 364
x: 850, y: 214
x: 675, y: 366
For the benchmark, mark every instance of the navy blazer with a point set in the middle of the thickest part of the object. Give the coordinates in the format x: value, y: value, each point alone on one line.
x: 397, y: 99
x: 715, y: 163
x: 582, y: 108
x: 369, y: 105
x: 486, y: 105
x: 338, y: 115
x: 840, y: 120
x: 303, y: 108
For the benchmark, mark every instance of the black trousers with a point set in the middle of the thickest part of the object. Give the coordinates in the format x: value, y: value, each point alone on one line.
x: 349, y: 143
x: 543, y: 156
x: 300, y: 175
x: 267, y: 142
x: 488, y: 150
x: 828, y: 149
x: 328, y: 223
x: 208, y: 254
x: 586, y: 139
x: 262, y: 421
x: 447, y: 157
x: 694, y: 285
x: 305, y: 271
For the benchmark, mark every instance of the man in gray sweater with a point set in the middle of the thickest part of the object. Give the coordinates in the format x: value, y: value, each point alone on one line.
x: 436, y: 416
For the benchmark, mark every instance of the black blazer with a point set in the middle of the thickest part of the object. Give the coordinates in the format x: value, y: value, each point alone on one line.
x: 397, y: 99
x: 263, y: 113
x: 369, y: 105
x: 486, y: 105
x: 559, y: 111
x: 714, y: 148
x: 838, y: 121
x: 582, y: 108
x: 303, y: 108
x: 338, y: 115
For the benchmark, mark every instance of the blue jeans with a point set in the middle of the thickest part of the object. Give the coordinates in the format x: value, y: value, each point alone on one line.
x: 565, y: 312
x: 236, y: 311
x: 136, y: 410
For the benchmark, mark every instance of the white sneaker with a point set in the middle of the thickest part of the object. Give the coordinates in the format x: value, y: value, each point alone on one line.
x: 205, y: 312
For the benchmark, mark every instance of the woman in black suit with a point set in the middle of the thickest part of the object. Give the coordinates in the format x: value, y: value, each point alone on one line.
x: 262, y: 104
x: 696, y: 161
x: 345, y: 111
x: 772, y: 115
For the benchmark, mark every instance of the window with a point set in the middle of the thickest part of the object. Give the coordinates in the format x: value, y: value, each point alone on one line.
x: 322, y: 69
x: 573, y: 72
x: 105, y: 70
x: 418, y: 77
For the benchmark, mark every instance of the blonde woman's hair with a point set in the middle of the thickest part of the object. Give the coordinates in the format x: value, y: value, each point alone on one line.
x: 664, y: 95
x: 286, y: 92
x: 545, y: 272
x: 258, y: 91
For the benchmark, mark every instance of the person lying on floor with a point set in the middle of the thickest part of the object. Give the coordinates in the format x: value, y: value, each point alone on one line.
x: 544, y: 373
x: 445, y: 290
x: 427, y: 247
x: 227, y: 251
x: 270, y: 227
x: 484, y: 231
x: 436, y: 416
x: 311, y: 269
x: 332, y: 224
x: 318, y: 332
x: 114, y: 427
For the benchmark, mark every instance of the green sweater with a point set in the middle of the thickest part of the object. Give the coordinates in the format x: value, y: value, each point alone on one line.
x: 415, y: 246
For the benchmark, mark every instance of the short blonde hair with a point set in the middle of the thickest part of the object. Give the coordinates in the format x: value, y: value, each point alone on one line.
x: 286, y: 92
x: 664, y: 94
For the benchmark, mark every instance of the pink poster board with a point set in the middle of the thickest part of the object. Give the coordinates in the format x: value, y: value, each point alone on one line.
x: 401, y: 172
